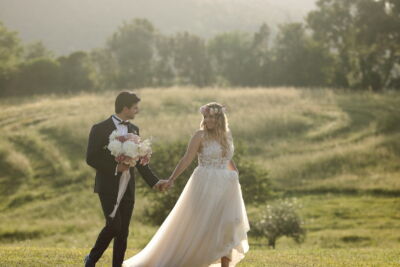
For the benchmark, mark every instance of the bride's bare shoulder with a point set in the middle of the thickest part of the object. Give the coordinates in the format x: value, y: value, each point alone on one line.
x: 199, y: 134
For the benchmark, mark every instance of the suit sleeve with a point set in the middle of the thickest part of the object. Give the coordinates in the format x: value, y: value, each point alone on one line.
x: 95, y: 155
x: 147, y: 174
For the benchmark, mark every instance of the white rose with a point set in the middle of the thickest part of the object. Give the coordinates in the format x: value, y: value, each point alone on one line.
x: 115, y: 147
x: 145, y: 148
x: 130, y: 149
x: 113, y: 135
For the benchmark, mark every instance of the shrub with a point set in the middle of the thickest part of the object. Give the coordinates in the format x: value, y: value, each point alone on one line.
x: 280, y: 219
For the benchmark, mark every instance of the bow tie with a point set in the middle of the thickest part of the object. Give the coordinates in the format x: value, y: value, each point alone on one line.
x: 121, y: 122
x: 124, y: 123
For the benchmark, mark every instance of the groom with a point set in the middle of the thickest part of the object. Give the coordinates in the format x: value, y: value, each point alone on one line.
x: 107, y: 183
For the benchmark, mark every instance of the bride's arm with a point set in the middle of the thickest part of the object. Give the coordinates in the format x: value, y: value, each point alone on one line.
x: 232, y: 166
x: 190, y: 154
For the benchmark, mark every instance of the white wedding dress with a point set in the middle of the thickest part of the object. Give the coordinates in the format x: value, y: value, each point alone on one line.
x: 209, y: 219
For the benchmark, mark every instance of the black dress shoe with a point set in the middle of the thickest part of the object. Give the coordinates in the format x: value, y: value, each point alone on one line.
x: 88, y: 261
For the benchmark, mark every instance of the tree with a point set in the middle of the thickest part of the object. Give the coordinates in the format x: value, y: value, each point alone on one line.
x: 36, y: 50
x: 10, y: 53
x: 298, y: 60
x: 75, y: 72
x: 132, y: 49
x: 364, y: 37
x: 104, y: 69
x: 40, y: 75
x: 331, y: 26
x: 164, y: 70
x: 233, y: 58
x: 378, y: 41
x: 263, y: 56
x: 191, y: 60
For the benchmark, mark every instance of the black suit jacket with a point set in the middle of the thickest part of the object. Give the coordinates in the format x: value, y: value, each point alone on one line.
x: 100, y: 158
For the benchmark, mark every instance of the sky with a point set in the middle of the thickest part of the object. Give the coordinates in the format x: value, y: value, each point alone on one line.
x: 65, y: 26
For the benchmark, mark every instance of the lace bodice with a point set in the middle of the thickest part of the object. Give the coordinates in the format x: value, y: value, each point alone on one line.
x: 211, y: 154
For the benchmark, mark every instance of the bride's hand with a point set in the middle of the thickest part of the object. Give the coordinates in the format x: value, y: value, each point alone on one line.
x: 170, y: 183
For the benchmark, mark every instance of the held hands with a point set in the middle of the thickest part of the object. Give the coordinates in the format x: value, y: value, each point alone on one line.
x: 170, y: 183
x: 163, y: 185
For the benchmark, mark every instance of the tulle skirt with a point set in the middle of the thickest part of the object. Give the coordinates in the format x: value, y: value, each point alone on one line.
x: 209, y: 221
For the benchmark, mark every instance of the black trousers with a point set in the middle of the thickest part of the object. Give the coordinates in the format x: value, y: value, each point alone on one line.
x: 116, y: 228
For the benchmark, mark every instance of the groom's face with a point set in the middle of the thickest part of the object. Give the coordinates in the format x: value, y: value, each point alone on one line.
x: 132, y: 111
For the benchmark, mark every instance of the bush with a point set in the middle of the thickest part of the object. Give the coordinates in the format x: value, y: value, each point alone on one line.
x: 256, y: 186
x: 280, y: 219
x: 254, y: 181
x: 163, y: 162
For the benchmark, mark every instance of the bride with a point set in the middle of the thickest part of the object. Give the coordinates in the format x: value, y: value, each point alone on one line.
x: 208, y: 225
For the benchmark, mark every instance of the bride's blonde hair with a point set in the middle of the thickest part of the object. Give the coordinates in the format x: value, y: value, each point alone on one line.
x: 221, y: 131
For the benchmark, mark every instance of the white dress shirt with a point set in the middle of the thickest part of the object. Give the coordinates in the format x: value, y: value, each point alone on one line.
x: 121, y: 128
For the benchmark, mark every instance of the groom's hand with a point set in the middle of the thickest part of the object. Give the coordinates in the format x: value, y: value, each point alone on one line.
x: 122, y: 167
x: 161, y: 185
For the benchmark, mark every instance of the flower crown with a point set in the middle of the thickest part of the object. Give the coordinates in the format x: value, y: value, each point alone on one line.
x: 212, y: 111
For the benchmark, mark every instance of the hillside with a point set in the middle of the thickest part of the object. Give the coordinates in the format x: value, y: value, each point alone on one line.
x: 90, y: 23
x: 337, y: 152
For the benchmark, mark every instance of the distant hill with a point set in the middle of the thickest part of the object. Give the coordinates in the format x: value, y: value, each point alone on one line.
x: 66, y: 26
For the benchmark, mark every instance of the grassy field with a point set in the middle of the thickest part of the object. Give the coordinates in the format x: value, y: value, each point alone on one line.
x: 336, y: 152
x: 38, y: 257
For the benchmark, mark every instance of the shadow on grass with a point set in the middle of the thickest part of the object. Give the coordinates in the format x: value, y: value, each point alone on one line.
x: 20, y: 235
x: 342, y: 191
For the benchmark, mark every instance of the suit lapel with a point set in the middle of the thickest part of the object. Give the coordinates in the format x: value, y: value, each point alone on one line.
x: 110, y: 125
x: 131, y: 129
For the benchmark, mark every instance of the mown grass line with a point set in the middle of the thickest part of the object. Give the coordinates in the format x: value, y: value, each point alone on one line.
x: 341, y: 191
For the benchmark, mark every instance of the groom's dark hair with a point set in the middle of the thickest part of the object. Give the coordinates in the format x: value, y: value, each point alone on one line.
x: 125, y: 99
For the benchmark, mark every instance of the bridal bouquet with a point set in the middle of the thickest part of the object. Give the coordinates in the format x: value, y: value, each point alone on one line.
x: 129, y: 148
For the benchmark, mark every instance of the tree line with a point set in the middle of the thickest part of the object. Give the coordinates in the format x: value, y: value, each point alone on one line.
x: 341, y: 44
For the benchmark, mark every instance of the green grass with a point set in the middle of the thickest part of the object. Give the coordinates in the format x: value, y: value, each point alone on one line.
x: 22, y: 256
x: 337, y: 152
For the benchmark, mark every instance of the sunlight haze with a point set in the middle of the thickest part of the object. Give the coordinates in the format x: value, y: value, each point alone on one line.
x: 67, y: 26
